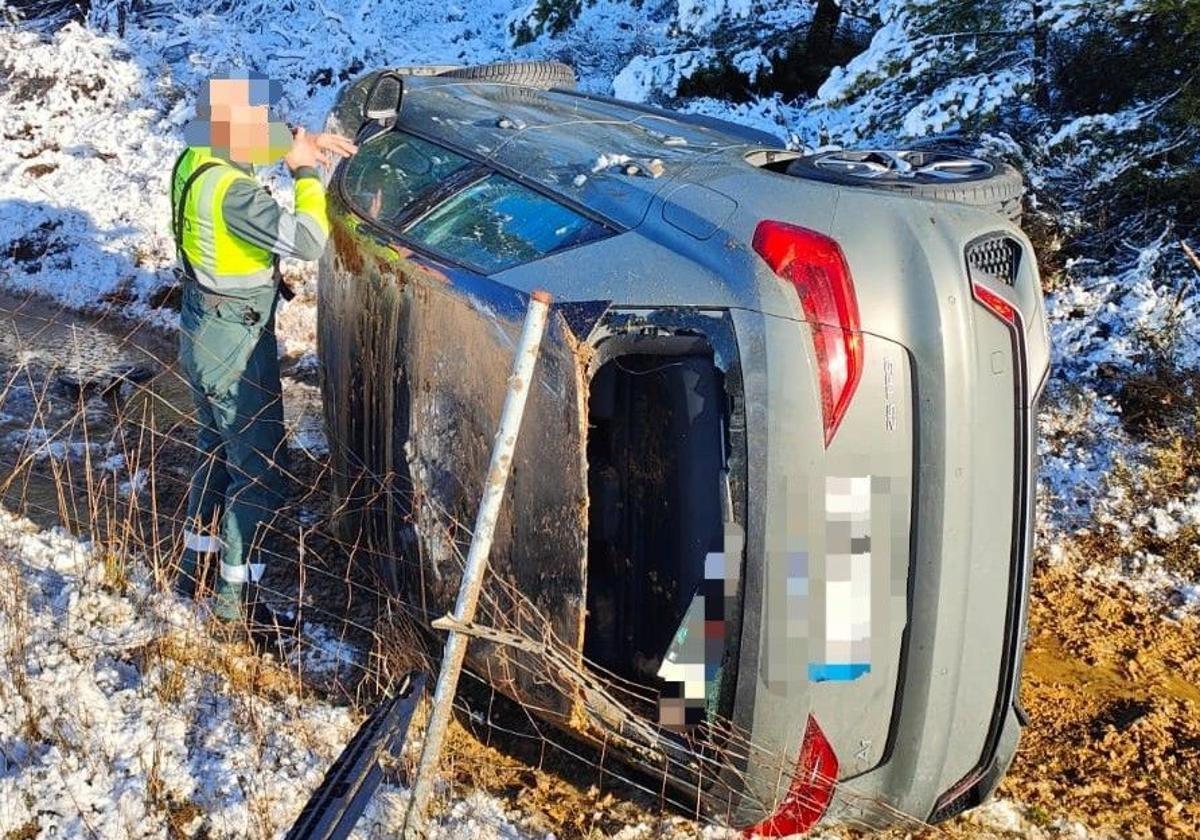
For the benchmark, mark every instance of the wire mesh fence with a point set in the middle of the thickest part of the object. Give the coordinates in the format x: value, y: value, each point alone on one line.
x: 97, y: 437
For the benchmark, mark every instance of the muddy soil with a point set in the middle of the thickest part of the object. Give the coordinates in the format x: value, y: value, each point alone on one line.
x: 1111, y: 684
x: 96, y: 434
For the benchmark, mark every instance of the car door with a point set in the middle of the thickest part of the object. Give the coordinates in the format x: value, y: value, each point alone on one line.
x: 417, y: 343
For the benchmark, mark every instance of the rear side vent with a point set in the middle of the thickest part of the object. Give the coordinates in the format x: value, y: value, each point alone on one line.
x: 995, y: 257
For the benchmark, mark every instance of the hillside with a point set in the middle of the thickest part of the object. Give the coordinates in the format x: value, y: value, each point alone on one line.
x: 1097, y: 104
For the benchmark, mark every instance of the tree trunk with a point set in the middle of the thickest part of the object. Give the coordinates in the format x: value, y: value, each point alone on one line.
x: 819, y: 44
x: 1041, y: 75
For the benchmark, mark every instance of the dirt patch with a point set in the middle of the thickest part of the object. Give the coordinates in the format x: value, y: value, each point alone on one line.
x: 1112, y: 688
x: 40, y: 169
x: 1159, y: 397
x: 40, y: 244
x: 551, y: 785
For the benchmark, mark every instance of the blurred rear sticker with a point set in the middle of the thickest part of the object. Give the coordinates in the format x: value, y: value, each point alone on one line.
x: 847, y: 642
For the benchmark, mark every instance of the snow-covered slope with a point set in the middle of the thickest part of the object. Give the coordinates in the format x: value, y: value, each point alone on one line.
x: 90, y: 119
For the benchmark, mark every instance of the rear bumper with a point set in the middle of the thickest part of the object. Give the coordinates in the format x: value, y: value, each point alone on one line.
x: 944, y: 728
x: 1008, y: 718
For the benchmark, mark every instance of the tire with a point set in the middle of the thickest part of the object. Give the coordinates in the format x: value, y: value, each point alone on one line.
x: 987, y: 184
x: 424, y: 69
x: 542, y: 75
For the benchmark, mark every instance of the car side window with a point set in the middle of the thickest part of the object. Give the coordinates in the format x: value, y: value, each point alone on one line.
x: 391, y: 170
x: 497, y: 223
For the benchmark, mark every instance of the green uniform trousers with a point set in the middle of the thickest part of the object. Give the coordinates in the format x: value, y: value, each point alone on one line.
x: 228, y: 353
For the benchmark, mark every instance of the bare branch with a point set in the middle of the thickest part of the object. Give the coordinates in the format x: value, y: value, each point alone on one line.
x: 1191, y: 255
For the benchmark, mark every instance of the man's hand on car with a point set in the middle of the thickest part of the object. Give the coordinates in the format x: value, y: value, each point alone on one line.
x: 333, y: 146
x: 311, y: 149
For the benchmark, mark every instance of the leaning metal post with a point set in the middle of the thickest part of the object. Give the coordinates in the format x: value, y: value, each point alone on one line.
x: 477, y: 557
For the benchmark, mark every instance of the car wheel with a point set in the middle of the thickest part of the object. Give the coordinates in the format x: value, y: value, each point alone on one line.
x: 535, y: 74
x: 935, y: 174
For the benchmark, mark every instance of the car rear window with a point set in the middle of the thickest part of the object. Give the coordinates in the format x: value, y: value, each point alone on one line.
x: 391, y: 170
x: 497, y: 223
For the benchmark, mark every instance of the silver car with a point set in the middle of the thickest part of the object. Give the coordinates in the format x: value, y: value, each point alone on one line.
x: 768, y: 532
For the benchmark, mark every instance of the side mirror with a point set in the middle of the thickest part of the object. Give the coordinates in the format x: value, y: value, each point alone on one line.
x: 382, y: 103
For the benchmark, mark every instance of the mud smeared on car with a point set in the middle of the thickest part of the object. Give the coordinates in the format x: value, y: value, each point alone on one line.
x: 629, y: 466
x: 420, y: 368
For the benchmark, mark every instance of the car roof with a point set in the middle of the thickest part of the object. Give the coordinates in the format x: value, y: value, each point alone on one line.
x: 572, y: 144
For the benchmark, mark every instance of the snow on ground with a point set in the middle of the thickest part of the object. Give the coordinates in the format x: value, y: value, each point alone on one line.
x: 1098, y: 328
x: 110, y: 728
x: 91, y: 121
x: 1006, y: 818
x: 303, y: 419
x: 95, y: 732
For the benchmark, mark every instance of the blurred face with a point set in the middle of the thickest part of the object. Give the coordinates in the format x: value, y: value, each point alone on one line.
x: 239, y: 126
x: 236, y: 123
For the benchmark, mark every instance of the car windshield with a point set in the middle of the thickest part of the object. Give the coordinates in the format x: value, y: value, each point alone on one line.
x: 497, y: 223
x: 391, y: 170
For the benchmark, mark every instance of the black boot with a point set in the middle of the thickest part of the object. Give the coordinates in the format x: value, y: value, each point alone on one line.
x: 185, y: 585
x: 186, y: 581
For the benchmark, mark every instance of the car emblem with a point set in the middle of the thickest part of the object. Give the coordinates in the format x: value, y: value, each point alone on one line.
x: 889, y: 394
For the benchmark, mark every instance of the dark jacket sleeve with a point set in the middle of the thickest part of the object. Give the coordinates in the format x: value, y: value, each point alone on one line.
x: 251, y: 214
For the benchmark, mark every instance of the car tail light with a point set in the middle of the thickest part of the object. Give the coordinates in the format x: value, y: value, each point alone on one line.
x: 812, y: 788
x: 995, y: 304
x: 815, y: 266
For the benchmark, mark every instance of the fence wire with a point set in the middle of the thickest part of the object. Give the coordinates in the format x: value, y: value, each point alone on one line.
x: 97, y: 436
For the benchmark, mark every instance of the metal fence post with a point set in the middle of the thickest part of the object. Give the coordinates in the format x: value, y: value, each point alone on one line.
x: 477, y: 557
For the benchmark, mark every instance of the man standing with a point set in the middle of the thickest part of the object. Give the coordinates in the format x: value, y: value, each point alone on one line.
x: 230, y: 235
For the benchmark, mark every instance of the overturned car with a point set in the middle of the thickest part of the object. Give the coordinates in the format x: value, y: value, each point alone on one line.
x: 768, y: 530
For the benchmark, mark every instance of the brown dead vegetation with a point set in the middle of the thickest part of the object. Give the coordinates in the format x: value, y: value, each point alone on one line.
x: 1111, y: 683
x: 1112, y: 688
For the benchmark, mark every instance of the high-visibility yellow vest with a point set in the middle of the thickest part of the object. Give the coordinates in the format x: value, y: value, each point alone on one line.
x: 233, y: 231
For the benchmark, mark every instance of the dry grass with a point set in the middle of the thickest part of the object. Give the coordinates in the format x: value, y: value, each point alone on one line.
x: 175, y: 657
x: 1158, y: 400
x: 1163, y: 412
x: 1049, y: 241
x: 557, y: 784
x: 28, y: 831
